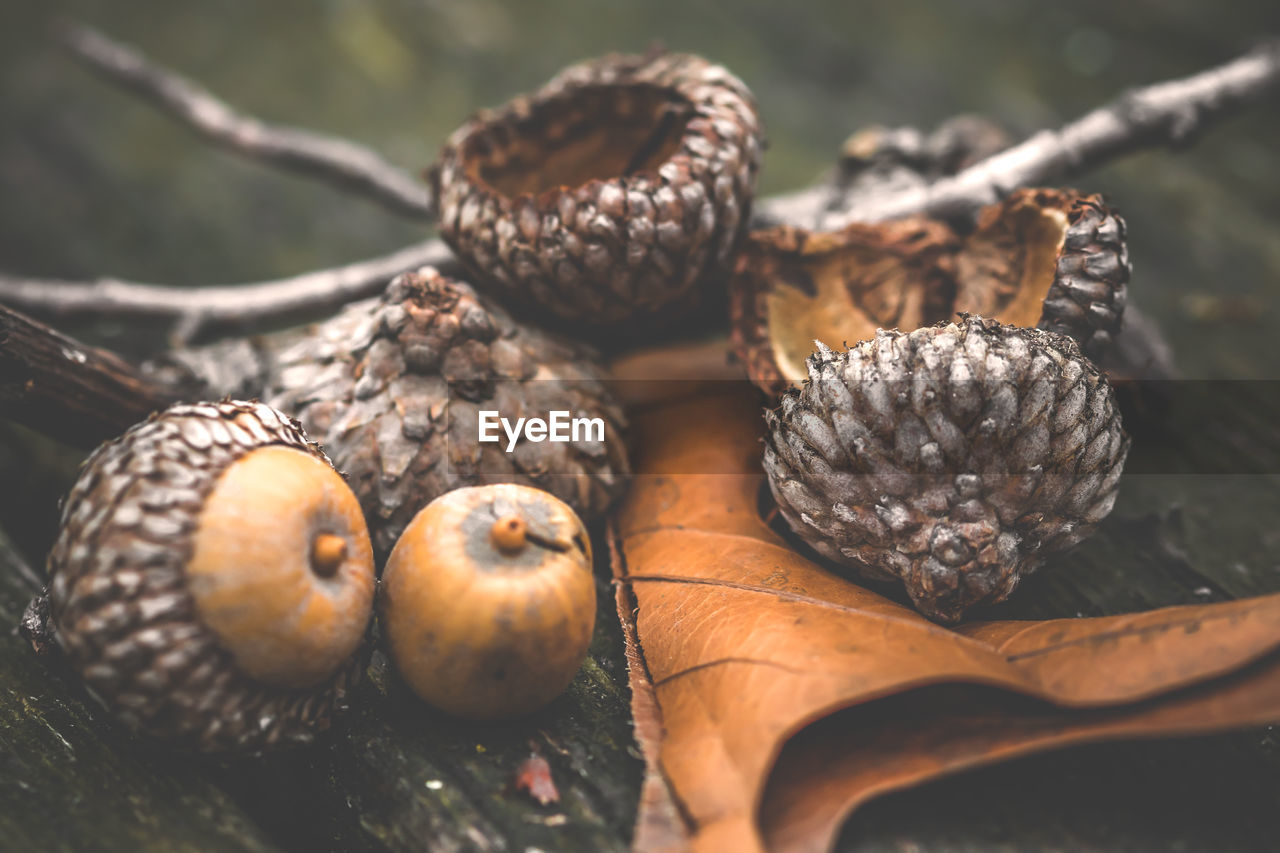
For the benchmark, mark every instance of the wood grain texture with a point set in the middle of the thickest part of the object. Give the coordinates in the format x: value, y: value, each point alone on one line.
x: 75, y: 393
x: 393, y: 775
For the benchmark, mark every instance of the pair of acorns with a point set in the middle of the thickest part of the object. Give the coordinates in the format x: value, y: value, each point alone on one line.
x: 214, y: 584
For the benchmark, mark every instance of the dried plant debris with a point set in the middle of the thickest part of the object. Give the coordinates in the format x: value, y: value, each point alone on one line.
x: 793, y: 287
x: 908, y: 154
x: 394, y: 391
x: 616, y: 191
x: 532, y: 777
x: 1049, y: 259
x: 1073, y: 245
x: 952, y: 458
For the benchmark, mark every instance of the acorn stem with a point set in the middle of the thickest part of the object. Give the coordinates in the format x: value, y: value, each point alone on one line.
x: 510, y: 533
x: 328, y: 551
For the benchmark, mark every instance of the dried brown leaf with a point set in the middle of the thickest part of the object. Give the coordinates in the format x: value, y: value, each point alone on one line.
x: 738, y: 642
x: 841, y: 762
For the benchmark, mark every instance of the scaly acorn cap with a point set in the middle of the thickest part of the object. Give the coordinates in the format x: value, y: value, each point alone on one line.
x: 953, y: 458
x: 1051, y: 259
x: 393, y: 389
x: 615, y: 192
x: 213, y: 579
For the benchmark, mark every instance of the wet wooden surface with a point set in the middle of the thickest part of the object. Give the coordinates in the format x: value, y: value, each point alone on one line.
x: 393, y: 775
x: 396, y: 776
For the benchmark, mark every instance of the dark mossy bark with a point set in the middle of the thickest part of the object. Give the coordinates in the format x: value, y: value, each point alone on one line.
x: 72, y: 392
x: 69, y: 781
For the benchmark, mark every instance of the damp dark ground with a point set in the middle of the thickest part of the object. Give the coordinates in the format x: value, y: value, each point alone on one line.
x: 92, y: 182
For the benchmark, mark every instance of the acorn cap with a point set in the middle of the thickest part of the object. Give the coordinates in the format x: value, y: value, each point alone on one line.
x: 213, y: 579
x: 488, y: 601
x: 616, y: 191
x: 953, y: 458
x: 1051, y: 259
x: 394, y: 389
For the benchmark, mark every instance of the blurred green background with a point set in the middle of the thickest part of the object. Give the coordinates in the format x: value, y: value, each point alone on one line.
x: 94, y: 182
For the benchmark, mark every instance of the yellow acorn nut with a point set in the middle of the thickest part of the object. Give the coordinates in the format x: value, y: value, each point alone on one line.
x: 488, y: 601
x: 282, y: 568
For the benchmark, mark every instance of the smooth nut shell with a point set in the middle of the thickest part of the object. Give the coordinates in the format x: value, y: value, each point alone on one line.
x: 479, y: 629
x: 252, y: 576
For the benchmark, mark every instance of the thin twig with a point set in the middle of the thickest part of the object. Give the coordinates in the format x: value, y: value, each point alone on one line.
x: 331, y: 159
x: 1164, y: 113
x: 196, y: 307
x: 65, y: 389
x: 1170, y: 113
x: 15, y: 562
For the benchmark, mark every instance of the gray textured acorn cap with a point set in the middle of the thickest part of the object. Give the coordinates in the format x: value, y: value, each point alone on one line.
x: 393, y: 389
x: 953, y: 458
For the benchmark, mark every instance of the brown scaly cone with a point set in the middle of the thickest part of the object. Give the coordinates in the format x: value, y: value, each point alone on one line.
x: 1050, y: 259
x: 146, y: 592
x: 953, y: 458
x: 393, y: 389
x: 618, y: 191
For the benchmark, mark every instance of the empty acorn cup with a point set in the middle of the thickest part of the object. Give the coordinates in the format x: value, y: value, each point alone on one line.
x: 614, y: 192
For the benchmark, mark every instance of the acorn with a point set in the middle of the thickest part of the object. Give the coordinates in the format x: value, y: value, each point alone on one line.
x: 213, y: 579
x: 953, y: 458
x: 488, y: 601
x: 616, y: 192
x: 1049, y: 259
x: 396, y: 391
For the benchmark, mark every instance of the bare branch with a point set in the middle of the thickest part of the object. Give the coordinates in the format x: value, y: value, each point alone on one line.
x: 345, y: 164
x: 1164, y: 113
x: 67, y: 390
x: 1169, y: 113
x: 196, y: 307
